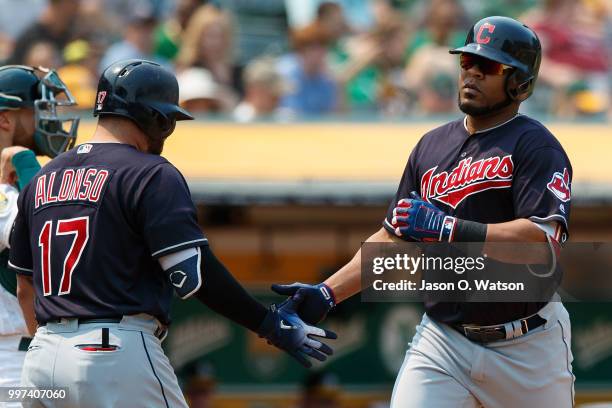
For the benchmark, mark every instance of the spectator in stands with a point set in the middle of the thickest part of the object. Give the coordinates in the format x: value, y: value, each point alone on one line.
x: 263, y: 27
x: 431, y: 71
x: 357, y: 13
x: 371, y: 69
x: 313, y: 88
x: 208, y: 43
x: 80, y: 74
x: 264, y: 87
x: 330, y: 19
x: 168, y: 35
x: 383, y: 11
x: 137, y: 39
x: 44, y: 54
x: 440, y: 27
x: 431, y: 80
x: 97, y: 23
x: 199, y: 93
x: 576, y: 57
x: 53, y: 26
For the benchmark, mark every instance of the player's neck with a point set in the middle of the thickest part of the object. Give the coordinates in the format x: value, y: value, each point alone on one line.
x: 478, y: 123
x: 119, y: 130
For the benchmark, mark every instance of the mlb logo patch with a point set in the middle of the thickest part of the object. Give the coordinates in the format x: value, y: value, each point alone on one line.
x: 84, y: 148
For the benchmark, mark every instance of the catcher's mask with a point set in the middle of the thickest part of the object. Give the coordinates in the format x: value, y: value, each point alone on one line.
x: 41, y: 89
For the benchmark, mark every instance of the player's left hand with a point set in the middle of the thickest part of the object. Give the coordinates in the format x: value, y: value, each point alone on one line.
x: 417, y: 220
x: 284, y: 329
x: 8, y: 175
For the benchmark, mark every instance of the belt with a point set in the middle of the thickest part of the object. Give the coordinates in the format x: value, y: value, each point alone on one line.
x: 24, y: 343
x: 507, y: 331
x: 161, y: 332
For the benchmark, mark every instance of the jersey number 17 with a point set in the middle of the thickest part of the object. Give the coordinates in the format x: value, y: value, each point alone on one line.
x: 79, y: 227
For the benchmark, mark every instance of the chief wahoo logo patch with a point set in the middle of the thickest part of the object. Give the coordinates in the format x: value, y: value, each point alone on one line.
x: 559, y: 185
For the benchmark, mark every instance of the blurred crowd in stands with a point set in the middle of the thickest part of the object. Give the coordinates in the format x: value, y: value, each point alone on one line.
x: 288, y: 59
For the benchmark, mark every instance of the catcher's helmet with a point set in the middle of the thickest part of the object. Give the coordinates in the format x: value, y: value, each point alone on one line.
x: 509, y: 42
x: 144, y: 92
x: 39, y: 88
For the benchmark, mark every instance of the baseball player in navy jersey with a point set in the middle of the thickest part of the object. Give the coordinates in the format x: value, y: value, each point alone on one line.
x: 29, y: 125
x: 105, y: 233
x: 493, y: 176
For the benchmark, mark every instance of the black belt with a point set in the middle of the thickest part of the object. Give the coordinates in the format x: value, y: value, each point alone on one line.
x: 488, y: 334
x: 24, y: 343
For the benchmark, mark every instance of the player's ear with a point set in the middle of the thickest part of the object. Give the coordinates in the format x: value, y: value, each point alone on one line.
x: 6, y: 121
x: 521, y: 90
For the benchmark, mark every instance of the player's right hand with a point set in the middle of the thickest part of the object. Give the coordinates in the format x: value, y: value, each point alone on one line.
x: 318, y: 300
x: 284, y: 329
x: 8, y: 175
x: 415, y: 219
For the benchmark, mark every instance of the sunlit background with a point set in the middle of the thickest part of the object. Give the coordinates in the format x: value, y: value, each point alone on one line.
x: 306, y: 114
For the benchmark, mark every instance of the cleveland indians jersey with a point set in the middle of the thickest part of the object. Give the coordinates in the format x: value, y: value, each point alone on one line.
x: 90, y: 227
x: 514, y: 170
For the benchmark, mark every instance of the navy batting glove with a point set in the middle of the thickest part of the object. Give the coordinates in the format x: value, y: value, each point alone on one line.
x: 284, y: 329
x: 318, y: 300
x: 416, y: 219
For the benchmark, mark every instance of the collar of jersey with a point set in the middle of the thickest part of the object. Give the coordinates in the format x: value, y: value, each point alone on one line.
x: 491, y: 128
x: 98, y: 142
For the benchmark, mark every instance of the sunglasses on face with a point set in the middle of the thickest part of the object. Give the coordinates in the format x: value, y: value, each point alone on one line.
x: 486, y: 66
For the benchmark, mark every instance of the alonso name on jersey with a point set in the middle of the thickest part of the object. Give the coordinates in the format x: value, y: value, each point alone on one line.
x: 71, y: 185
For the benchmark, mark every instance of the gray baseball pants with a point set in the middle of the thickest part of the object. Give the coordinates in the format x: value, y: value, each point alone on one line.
x: 136, y: 374
x: 444, y: 369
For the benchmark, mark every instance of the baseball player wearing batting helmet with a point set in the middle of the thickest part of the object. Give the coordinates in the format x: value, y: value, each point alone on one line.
x: 105, y: 233
x: 493, y: 176
x: 29, y: 125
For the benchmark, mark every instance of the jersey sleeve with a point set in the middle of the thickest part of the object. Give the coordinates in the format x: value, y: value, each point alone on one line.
x: 165, y: 212
x: 20, y: 255
x: 542, y: 187
x: 407, y: 184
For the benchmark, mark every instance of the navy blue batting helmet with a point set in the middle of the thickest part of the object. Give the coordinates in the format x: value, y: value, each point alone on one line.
x: 144, y: 92
x: 509, y: 42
